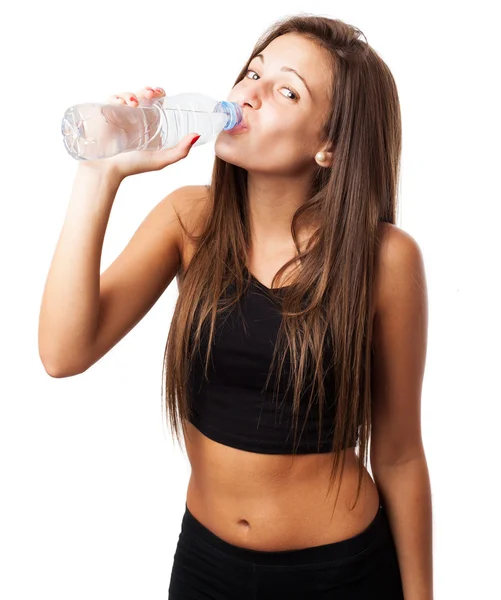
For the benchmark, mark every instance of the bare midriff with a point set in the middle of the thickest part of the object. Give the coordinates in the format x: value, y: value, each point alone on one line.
x: 275, y: 502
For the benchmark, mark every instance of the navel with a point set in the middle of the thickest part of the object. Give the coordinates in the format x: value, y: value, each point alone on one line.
x: 244, y: 523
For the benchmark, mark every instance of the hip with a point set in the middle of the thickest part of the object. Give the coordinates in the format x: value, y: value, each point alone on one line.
x: 363, y: 566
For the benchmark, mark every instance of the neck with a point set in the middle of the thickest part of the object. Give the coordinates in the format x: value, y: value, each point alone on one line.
x: 272, y: 203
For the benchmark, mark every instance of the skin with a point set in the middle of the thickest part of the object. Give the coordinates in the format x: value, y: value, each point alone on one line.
x: 278, y: 150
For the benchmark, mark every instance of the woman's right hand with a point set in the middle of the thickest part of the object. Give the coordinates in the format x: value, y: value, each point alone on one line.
x: 141, y: 161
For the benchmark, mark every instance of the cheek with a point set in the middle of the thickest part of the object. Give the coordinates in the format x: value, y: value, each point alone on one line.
x: 285, y: 136
x: 292, y: 135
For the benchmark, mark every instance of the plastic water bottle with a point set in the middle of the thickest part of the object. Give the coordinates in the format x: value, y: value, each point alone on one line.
x: 94, y: 130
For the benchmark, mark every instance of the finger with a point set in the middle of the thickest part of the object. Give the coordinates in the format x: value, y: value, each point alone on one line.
x: 128, y: 98
x: 132, y: 99
x: 115, y: 99
x: 169, y: 156
x: 183, y: 147
x: 149, y: 92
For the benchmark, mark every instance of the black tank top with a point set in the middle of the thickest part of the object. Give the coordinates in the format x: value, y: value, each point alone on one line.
x: 231, y: 407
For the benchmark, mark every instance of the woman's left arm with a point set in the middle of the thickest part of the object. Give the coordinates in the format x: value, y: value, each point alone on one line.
x: 397, y: 455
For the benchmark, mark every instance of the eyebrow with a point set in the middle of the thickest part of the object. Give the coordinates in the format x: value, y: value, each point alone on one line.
x: 290, y: 70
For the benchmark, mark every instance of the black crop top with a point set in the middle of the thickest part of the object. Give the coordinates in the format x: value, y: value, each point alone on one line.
x: 231, y: 407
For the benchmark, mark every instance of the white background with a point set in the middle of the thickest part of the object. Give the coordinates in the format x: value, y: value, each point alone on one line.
x: 92, y: 488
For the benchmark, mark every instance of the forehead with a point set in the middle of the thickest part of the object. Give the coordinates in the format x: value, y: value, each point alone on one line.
x: 310, y: 60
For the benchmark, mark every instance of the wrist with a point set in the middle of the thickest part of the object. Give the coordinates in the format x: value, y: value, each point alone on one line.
x: 101, y: 169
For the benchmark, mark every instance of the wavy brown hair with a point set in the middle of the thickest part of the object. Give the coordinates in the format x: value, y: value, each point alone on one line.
x: 331, y: 300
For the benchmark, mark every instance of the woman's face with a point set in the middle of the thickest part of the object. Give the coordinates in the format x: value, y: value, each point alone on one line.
x: 283, y: 114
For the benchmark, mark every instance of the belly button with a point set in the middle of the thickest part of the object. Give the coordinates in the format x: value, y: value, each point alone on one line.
x: 244, y: 523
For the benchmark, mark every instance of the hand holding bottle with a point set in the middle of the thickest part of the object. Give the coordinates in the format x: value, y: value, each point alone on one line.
x: 142, y: 161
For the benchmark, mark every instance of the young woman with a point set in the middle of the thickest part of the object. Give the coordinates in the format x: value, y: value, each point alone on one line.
x: 299, y: 331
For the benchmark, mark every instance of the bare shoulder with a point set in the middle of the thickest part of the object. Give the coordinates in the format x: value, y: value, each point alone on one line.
x: 190, y: 203
x: 392, y: 239
x: 398, y: 260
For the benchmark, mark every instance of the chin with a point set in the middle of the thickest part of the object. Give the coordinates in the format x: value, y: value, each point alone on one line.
x: 229, y: 155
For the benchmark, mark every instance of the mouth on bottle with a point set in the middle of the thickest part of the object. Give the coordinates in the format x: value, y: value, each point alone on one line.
x: 238, y: 128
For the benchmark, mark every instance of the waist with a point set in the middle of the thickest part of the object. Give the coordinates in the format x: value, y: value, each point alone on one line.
x: 274, y: 502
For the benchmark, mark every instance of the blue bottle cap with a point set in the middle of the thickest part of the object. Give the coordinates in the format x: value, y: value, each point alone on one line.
x: 234, y: 112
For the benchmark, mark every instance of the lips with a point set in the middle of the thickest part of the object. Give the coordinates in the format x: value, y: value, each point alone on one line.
x: 238, y: 129
x: 242, y: 126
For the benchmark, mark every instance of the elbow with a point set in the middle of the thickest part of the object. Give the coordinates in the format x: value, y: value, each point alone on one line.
x: 58, y: 370
x: 56, y: 373
x: 59, y: 363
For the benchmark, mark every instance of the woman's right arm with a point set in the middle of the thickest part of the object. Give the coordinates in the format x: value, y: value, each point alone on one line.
x: 83, y: 313
x: 70, y: 304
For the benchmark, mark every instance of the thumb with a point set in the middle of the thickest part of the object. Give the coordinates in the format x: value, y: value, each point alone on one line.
x: 180, y: 150
x: 186, y: 143
x: 177, y: 152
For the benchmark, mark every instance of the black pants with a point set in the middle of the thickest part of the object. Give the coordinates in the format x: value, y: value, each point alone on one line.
x: 363, y: 567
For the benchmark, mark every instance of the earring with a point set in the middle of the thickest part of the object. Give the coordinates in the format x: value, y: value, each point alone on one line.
x: 320, y: 156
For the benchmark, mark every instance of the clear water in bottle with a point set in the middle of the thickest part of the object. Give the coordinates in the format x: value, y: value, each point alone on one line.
x: 94, y: 130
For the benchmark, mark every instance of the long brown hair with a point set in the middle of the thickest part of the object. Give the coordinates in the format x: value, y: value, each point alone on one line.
x: 331, y: 300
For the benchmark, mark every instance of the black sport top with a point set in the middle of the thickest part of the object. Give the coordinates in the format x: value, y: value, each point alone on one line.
x: 232, y: 408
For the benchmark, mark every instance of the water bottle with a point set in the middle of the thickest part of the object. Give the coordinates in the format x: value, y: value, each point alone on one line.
x: 94, y: 130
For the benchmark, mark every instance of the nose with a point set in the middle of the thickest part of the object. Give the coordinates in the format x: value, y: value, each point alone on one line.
x: 251, y: 99
x: 245, y: 105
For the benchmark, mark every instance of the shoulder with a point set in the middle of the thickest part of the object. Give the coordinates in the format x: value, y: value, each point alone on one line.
x: 393, y: 241
x: 189, y: 198
x: 399, y: 266
x: 190, y: 203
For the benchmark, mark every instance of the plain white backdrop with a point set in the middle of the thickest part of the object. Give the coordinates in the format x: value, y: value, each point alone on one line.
x: 92, y: 489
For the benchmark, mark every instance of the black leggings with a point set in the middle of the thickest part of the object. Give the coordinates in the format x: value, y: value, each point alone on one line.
x: 363, y: 567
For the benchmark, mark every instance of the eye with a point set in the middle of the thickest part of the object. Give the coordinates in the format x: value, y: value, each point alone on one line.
x: 296, y: 97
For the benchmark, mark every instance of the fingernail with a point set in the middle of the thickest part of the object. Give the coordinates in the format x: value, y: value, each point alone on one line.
x: 195, y: 139
x: 133, y: 98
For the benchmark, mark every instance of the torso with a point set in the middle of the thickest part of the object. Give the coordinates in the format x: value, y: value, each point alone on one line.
x: 272, y: 502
